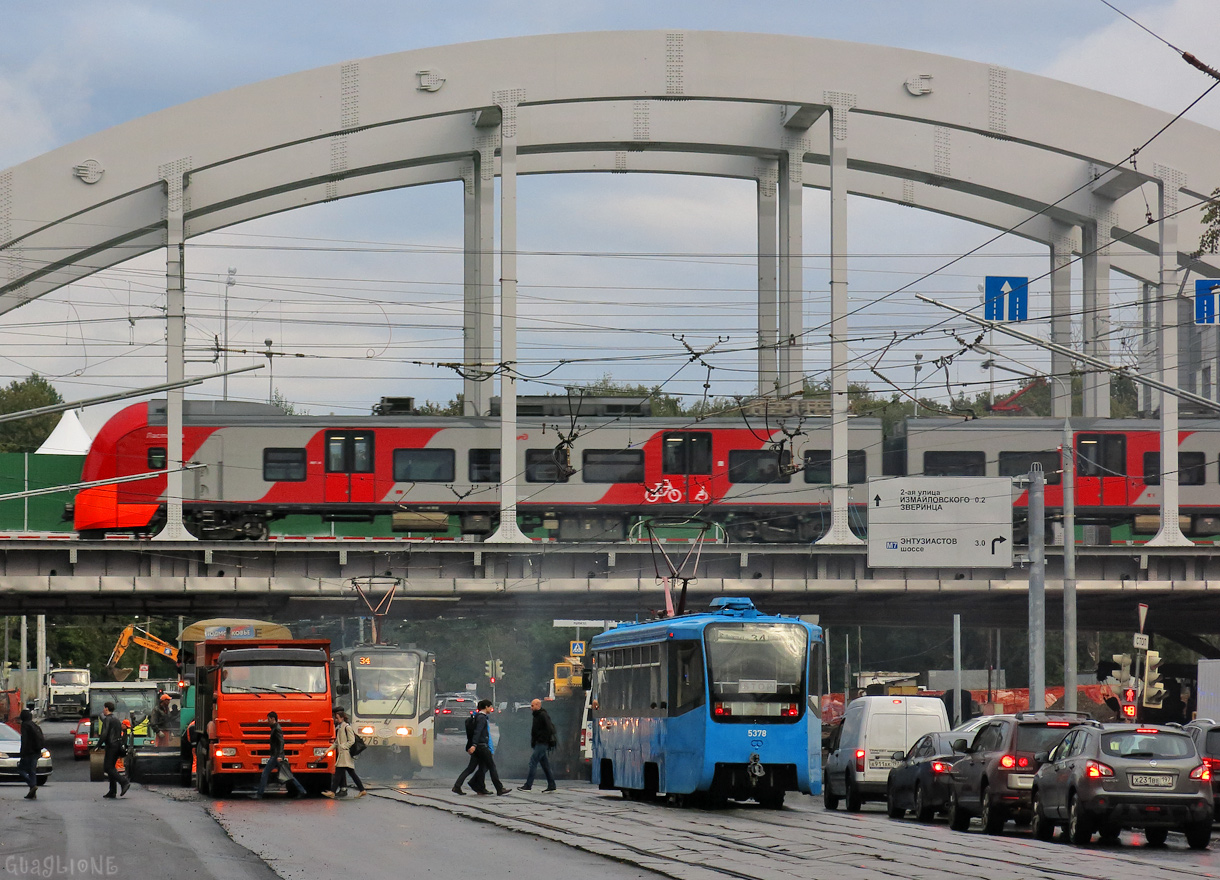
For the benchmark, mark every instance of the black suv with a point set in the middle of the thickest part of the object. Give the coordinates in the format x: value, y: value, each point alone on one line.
x: 1206, y: 734
x: 452, y: 710
x: 994, y: 778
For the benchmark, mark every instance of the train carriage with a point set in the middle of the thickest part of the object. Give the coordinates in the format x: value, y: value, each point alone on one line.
x: 724, y: 704
x: 1117, y: 477
x: 441, y: 475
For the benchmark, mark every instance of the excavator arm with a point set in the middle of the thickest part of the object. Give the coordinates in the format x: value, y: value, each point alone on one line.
x: 142, y: 637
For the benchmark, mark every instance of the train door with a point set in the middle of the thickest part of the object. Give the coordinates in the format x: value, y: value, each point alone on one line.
x: 349, y: 466
x: 1101, y: 470
x: 686, y: 464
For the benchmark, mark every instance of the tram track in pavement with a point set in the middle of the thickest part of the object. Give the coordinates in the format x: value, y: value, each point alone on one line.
x: 801, y: 841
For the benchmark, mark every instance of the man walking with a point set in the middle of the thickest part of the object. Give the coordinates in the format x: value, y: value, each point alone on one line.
x: 112, y: 740
x: 276, y: 758
x: 480, y: 750
x: 31, y: 749
x: 543, y: 739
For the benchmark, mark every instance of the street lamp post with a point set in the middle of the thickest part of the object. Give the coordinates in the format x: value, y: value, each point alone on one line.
x: 915, y: 392
x: 270, y: 371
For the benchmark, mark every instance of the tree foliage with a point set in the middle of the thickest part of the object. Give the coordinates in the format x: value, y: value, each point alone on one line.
x: 1209, y: 242
x: 26, y: 435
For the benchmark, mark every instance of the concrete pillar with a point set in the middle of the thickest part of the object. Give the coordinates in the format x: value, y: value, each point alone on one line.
x: 768, y: 275
x: 789, y: 363
x: 174, y: 177
x: 1149, y: 359
x: 1095, y: 271
x: 1170, y: 533
x: 1061, y: 317
x: 508, y: 532
x: 840, y: 528
x: 478, y: 328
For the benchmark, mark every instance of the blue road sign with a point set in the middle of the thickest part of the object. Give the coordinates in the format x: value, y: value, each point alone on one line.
x: 1014, y: 289
x: 1205, y: 300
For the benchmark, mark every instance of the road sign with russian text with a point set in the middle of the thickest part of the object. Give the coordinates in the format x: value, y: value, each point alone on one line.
x: 940, y: 522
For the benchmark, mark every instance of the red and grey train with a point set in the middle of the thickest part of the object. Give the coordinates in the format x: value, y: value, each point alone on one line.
x: 593, y: 477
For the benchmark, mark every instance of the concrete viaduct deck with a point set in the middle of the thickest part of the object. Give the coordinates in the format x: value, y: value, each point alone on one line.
x: 311, y: 576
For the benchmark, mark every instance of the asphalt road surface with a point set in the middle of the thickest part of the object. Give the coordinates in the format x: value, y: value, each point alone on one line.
x: 418, y: 826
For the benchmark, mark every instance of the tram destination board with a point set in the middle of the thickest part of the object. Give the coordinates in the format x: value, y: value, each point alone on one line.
x: 940, y: 522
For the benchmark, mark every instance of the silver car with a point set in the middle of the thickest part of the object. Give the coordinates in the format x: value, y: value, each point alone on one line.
x: 10, y: 751
x: 1110, y: 777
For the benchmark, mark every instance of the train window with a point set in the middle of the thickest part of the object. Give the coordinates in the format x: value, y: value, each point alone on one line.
x: 424, y: 466
x: 349, y: 452
x: 686, y: 452
x: 1018, y: 464
x: 954, y: 463
x: 760, y: 466
x: 1101, y: 455
x: 1192, y: 468
x: 283, y: 465
x: 541, y: 466
x: 156, y: 458
x: 817, y: 466
x: 484, y: 465
x: 612, y: 466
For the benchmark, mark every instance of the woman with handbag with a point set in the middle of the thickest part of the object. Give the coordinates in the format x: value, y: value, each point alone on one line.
x: 345, y: 738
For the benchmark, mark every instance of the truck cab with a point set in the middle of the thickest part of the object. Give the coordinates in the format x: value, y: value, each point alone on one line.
x: 67, y: 692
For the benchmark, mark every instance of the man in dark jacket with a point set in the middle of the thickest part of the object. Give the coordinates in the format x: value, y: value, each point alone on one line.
x: 480, y: 750
x: 112, y: 740
x: 277, y: 758
x: 31, y: 749
x: 543, y: 739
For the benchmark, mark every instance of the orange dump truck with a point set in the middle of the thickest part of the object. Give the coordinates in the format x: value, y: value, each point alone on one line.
x: 238, y: 681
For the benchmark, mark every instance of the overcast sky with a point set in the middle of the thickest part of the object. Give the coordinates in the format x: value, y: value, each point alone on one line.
x: 369, y: 324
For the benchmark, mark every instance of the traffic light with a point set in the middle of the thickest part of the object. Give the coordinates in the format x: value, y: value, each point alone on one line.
x: 1126, y: 699
x: 487, y: 668
x: 1123, y: 673
x: 1154, y: 688
x: 499, y: 669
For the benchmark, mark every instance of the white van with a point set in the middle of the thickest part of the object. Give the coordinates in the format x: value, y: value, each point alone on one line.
x: 861, y: 749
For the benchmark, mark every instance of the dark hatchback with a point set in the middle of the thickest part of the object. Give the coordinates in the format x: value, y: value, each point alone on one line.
x: 995, y: 777
x: 452, y: 712
x: 1124, y: 776
x: 920, y: 782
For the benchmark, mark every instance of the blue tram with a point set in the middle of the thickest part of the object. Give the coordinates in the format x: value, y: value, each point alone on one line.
x: 723, y: 704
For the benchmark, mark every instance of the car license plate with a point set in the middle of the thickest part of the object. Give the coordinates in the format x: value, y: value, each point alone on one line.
x: 1151, y: 780
x: 1021, y: 780
x: 881, y: 763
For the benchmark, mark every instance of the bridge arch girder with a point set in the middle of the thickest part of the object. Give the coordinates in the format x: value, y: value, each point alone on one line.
x: 314, y: 134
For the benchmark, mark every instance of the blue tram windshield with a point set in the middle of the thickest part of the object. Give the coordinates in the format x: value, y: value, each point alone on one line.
x: 386, y: 690
x: 757, y: 670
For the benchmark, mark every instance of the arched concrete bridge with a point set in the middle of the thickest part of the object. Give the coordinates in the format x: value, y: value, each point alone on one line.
x: 976, y: 141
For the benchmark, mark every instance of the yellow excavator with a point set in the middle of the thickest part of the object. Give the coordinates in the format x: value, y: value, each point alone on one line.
x: 142, y: 637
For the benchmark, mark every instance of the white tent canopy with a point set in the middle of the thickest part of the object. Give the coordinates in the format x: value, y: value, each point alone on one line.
x: 68, y: 438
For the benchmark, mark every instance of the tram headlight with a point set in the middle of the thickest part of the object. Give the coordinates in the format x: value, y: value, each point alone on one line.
x: 367, y: 730
x: 403, y: 731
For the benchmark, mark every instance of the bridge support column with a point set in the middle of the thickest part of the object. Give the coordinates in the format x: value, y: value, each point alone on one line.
x: 840, y: 526
x: 1061, y: 318
x: 478, y: 353
x: 1095, y: 272
x: 508, y: 532
x: 768, y: 275
x: 1171, y: 180
x: 174, y: 176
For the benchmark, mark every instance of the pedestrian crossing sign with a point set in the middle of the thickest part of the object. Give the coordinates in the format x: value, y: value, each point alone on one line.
x: 577, y: 649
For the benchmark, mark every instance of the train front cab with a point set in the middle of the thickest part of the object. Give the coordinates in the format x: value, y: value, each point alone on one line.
x: 712, y: 704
